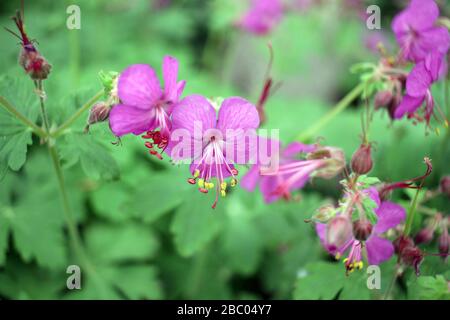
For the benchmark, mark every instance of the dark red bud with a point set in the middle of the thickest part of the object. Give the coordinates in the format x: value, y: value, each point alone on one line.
x: 445, y: 185
x: 408, y: 253
x: 443, y: 243
x: 383, y: 99
x: 362, y: 229
x: 424, y: 236
x: 362, y: 160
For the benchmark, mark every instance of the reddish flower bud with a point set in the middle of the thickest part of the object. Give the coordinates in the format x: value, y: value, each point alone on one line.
x: 445, y: 185
x: 408, y: 253
x: 362, y: 159
x: 34, y: 63
x: 383, y: 99
x: 362, y: 229
x: 443, y: 243
x: 339, y: 231
x: 424, y: 236
x: 98, y: 113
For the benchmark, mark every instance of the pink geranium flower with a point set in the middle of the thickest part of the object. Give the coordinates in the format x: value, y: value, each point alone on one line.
x: 269, y: 184
x: 418, y: 87
x: 145, y: 106
x: 378, y: 248
x: 262, y: 16
x: 416, y: 31
x: 213, y: 143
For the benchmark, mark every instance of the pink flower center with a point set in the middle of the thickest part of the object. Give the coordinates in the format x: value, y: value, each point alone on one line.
x: 354, y: 259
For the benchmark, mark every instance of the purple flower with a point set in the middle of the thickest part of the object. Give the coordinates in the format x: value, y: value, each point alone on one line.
x: 269, y: 184
x: 262, y: 16
x: 213, y: 143
x: 378, y: 249
x: 418, y: 85
x: 416, y: 31
x: 145, y: 106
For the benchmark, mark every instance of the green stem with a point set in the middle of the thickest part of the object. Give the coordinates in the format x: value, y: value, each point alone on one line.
x: 77, y: 114
x: 12, y: 110
x: 340, y: 106
x: 391, y: 284
x: 41, y: 93
x: 411, y: 212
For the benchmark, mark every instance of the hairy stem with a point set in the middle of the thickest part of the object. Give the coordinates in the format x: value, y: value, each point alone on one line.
x: 12, y: 110
x: 340, y: 106
x: 411, y: 212
x: 41, y: 94
x: 77, y: 114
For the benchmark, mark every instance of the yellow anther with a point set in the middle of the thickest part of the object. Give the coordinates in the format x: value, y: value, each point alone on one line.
x: 209, y: 185
x: 223, y: 186
x: 223, y: 193
x: 345, y: 260
x: 201, y: 183
x: 337, y: 256
x: 360, y: 265
x: 438, y: 132
x: 196, y: 173
x: 233, y: 182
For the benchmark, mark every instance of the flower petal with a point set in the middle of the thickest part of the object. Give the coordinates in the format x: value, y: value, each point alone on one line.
x: 250, y: 180
x: 237, y: 113
x: 124, y: 119
x: 378, y: 250
x: 418, y: 81
x: 295, y: 148
x: 139, y: 86
x: 389, y: 216
x: 170, y: 74
x: 408, y: 105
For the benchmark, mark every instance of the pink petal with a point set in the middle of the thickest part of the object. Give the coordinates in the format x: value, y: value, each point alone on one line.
x: 170, y: 74
x: 139, y: 86
x: 295, y: 148
x: 321, y: 230
x: 268, y: 186
x: 124, y: 119
x: 389, y: 216
x: 408, y: 105
x: 250, y: 180
x: 372, y: 192
x: 237, y: 113
x: 378, y: 250
x: 418, y: 81
x: 433, y: 63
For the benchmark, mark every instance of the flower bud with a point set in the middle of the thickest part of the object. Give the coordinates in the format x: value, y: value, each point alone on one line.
x: 424, y: 236
x: 362, y: 159
x: 383, y: 99
x: 362, y: 229
x: 443, y: 244
x: 445, y: 185
x: 334, y: 161
x: 324, y: 214
x: 339, y: 231
x: 408, y: 253
x: 98, y: 113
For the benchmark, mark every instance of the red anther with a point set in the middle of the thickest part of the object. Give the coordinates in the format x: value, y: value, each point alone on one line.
x: 203, y: 190
x: 149, y: 144
x: 153, y: 152
x: 234, y: 172
x: 192, y: 181
x: 146, y: 136
x: 159, y: 156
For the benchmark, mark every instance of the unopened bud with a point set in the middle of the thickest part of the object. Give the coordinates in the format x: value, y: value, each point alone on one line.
x: 98, y: 113
x: 443, y: 244
x: 339, y: 232
x: 424, y: 236
x: 362, y: 159
x: 334, y: 161
x: 383, y: 99
x: 362, y: 229
x: 408, y: 253
x: 445, y: 185
x: 324, y: 214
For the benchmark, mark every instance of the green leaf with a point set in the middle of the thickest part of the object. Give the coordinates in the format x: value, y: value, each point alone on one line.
x: 429, y: 288
x: 15, y: 136
x: 135, y: 282
x: 117, y: 243
x: 95, y: 159
x: 195, y: 223
x: 109, y: 201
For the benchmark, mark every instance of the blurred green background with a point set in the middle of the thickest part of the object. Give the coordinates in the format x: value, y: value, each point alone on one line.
x: 148, y: 234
